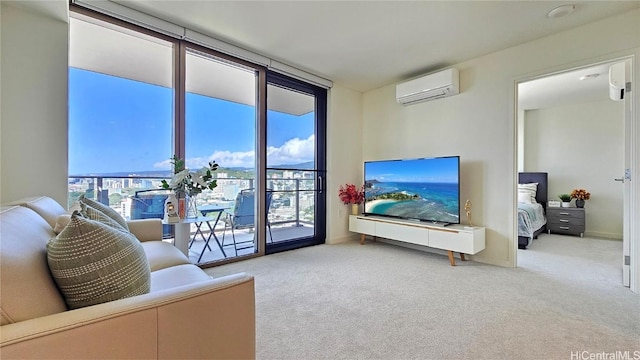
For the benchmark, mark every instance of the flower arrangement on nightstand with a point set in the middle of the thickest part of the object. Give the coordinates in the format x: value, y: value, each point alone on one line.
x: 580, y: 195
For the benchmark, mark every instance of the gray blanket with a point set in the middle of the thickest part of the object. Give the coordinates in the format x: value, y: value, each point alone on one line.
x: 530, y: 218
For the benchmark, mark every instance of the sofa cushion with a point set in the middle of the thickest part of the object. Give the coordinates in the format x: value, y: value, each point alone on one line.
x: 94, y: 263
x: 175, y: 276
x: 27, y: 289
x: 162, y: 255
x: 104, y: 209
x: 44, y: 206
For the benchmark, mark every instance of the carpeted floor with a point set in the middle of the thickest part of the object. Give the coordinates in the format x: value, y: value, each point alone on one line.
x: 381, y: 301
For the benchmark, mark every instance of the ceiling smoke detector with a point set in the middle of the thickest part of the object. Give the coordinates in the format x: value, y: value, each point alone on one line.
x: 561, y: 11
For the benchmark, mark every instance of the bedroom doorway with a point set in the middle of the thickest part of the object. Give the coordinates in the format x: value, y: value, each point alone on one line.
x: 569, y: 127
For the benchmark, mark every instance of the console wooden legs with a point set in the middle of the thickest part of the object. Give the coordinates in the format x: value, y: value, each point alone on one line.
x: 452, y: 260
x: 361, y: 239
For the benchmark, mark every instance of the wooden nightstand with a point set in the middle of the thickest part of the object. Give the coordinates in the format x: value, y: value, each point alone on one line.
x: 569, y: 221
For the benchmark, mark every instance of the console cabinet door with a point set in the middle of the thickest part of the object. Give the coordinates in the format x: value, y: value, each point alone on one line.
x: 456, y: 241
x: 362, y: 226
x: 406, y: 233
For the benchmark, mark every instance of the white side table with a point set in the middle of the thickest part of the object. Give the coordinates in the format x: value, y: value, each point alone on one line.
x: 183, y: 231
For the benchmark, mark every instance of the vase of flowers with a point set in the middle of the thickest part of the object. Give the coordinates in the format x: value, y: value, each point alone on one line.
x: 580, y: 195
x: 351, y: 195
x: 188, y: 184
x: 191, y: 203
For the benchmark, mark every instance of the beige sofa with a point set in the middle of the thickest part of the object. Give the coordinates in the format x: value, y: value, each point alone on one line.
x: 186, y: 315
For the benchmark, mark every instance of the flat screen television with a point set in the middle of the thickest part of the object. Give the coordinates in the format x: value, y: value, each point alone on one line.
x: 425, y: 189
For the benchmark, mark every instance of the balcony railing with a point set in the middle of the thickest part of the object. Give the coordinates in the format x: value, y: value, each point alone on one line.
x: 292, y: 201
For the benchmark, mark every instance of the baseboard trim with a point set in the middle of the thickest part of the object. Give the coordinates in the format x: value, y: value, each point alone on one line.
x: 342, y: 239
x: 610, y: 236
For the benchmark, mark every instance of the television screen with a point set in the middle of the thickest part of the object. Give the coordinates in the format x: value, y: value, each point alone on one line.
x: 424, y: 189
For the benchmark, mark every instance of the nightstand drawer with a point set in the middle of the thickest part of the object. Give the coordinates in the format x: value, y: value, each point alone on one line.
x: 565, y: 213
x: 565, y: 221
x: 566, y: 229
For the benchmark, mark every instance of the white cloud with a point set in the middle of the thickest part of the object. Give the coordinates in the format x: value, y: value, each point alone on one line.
x: 293, y: 151
x: 233, y: 159
x: 163, y: 165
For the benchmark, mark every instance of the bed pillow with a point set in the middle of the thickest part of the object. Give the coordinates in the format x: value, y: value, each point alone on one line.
x: 105, y: 210
x: 529, y: 190
x: 93, y: 263
x: 524, y: 197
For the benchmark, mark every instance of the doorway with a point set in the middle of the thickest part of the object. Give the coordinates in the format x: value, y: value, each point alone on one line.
x: 569, y: 127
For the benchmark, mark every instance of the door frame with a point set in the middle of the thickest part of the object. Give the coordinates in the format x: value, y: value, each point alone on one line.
x: 631, y: 238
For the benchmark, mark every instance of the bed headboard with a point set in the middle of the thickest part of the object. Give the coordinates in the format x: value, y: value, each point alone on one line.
x: 541, y: 179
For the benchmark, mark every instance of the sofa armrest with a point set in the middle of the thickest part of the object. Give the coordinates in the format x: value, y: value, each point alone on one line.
x: 212, y: 319
x: 146, y: 229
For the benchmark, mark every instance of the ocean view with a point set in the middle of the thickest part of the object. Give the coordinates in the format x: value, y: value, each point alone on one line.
x: 434, y: 201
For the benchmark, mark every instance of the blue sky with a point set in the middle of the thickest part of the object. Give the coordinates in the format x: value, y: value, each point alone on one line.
x: 120, y: 125
x: 436, y: 170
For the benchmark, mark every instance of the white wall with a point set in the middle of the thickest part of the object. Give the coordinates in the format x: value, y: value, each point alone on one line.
x: 33, y: 140
x: 581, y: 146
x: 479, y: 123
x: 344, y: 156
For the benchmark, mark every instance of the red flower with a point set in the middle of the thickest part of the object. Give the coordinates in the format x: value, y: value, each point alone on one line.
x: 350, y: 194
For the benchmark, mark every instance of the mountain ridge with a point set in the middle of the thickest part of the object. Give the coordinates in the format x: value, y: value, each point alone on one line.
x: 309, y: 165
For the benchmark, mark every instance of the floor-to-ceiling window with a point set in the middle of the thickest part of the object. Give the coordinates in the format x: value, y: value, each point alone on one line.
x: 121, y: 111
x: 221, y: 125
x: 137, y: 98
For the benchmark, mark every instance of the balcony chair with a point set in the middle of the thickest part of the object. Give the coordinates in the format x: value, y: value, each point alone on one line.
x: 149, y: 204
x: 243, y: 217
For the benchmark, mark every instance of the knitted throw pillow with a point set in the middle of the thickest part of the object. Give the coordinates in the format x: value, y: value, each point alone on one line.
x: 97, y: 215
x: 105, y: 210
x: 94, y: 263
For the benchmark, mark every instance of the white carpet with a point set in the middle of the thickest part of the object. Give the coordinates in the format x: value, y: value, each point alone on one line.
x: 381, y: 301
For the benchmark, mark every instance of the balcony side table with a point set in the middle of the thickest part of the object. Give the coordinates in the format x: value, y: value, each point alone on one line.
x: 216, y: 212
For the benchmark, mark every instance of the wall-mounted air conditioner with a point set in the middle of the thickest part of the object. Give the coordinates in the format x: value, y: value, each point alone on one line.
x: 617, y: 81
x: 429, y: 87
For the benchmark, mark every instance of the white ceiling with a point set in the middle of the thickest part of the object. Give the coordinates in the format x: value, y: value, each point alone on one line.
x: 364, y: 45
x: 565, y: 88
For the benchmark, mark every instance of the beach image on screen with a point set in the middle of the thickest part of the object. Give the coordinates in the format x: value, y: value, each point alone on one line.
x: 424, y: 189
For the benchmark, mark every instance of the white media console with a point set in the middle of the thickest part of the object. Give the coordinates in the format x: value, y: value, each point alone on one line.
x: 453, y: 238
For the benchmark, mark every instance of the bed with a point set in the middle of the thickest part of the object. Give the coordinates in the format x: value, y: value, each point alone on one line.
x: 532, y: 206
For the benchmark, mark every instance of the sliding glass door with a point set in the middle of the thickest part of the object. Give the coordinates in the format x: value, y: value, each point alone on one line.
x: 295, y: 171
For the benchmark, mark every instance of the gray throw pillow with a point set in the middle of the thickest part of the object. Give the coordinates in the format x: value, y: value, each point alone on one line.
x: 105, y: 210
x: 93, y: 263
